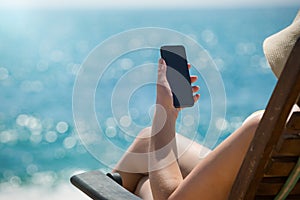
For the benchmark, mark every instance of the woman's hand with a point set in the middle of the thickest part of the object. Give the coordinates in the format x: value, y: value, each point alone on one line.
x: 164, y: 95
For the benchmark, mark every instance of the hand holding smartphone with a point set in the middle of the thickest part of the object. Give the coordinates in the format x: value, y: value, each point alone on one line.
x: 178, y: 75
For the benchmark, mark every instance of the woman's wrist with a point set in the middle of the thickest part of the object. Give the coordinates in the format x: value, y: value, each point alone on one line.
x: 169, y: 112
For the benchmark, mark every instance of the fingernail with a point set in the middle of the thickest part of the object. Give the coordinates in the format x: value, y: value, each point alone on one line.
x: 161, y: 61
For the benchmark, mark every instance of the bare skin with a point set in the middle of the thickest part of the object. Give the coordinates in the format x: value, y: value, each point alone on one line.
x: 185, y: 176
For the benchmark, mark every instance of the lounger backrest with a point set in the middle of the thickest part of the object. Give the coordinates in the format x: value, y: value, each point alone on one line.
x: 275, y: 149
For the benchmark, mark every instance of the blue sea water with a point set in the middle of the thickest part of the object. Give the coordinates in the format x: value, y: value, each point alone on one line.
x: 41, y: 52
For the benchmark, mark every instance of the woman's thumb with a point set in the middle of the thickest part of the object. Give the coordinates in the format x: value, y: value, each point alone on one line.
x: 162, y: 71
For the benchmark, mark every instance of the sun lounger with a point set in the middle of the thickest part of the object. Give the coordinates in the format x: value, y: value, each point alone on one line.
x: 271, y: 168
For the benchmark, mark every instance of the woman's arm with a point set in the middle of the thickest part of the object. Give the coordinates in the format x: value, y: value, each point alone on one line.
x: 164, y: 171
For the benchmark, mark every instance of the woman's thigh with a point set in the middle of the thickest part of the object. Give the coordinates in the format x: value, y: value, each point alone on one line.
x: 190, y: 153
x: 212, y: 178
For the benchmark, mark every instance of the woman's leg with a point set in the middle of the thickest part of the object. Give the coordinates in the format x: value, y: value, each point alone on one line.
x: 133, y: 168
x: 214, y: 176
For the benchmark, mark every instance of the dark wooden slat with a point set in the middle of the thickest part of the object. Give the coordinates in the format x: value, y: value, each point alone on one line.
x: 293, y: 197
x: 294, y: 122
x: 290, y: 197
x: 273, y: 179
x: 289, y: 147
x: 270, y: 128
x: 273, y: 189
x: 289, y: 144
x: 281, y: 166
x: 296, y: 190
x: 265, y: 197
x: 268, y: 189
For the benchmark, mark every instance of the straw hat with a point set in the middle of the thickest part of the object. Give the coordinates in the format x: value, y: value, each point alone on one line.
x: 278, y: 47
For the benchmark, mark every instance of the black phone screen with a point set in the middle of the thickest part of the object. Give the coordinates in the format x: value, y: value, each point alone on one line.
x: 178, y: 75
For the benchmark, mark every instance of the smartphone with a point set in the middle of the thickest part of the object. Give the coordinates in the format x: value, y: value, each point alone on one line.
x: 178, y: 75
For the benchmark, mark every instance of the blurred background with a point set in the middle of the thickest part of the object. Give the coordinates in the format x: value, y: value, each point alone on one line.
x: 43, y: 44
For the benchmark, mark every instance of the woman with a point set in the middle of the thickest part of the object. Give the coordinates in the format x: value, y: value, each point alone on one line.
x: 162, y: 174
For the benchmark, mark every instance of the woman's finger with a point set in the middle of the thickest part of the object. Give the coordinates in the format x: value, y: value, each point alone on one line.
x: 196, y: 97
x: 162, y: 69
x: 195, y: 88
x: 194, y: 78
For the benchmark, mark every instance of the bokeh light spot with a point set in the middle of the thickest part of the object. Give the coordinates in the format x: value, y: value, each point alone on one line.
x: 3, y: 73
x: 69, y: 142
x: 51, y: 136
x: 62, y: 127
x: 125, y: 121
x: 110, y: 132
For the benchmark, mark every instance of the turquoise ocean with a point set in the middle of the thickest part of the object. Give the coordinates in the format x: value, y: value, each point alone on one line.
x: 41, y: 52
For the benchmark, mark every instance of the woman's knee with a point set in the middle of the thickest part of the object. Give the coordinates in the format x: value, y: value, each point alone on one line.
x: 141, y: 142
x: 253, y: 120
x: 144, y: 133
